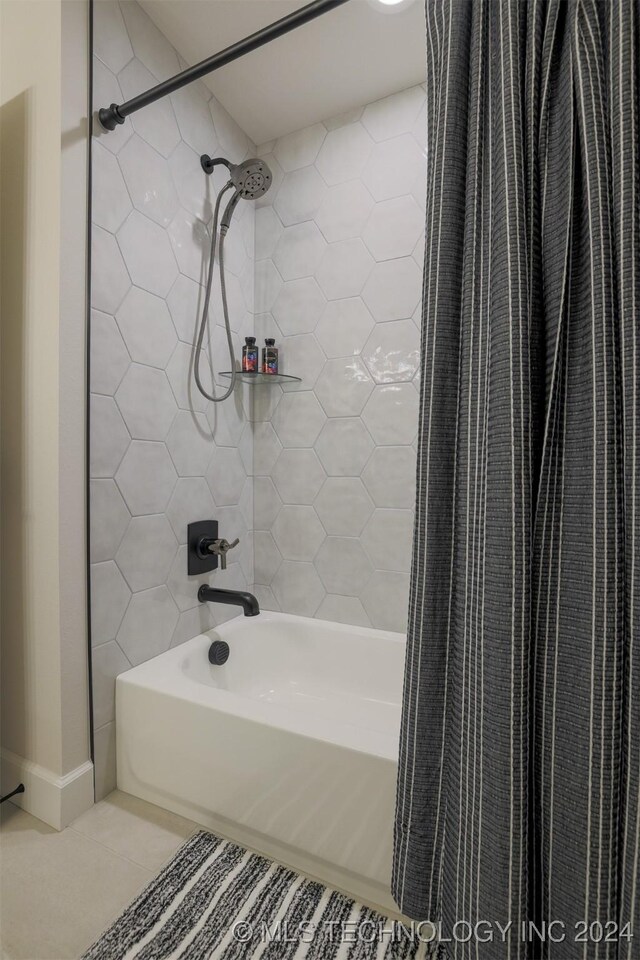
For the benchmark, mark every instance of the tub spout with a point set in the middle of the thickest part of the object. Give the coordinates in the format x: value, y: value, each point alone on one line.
x: 238, y: 598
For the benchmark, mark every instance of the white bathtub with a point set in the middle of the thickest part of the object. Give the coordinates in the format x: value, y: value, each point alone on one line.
x: 290, y: 748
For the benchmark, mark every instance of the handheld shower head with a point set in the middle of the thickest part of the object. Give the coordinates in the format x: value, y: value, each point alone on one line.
x: 251, y: 178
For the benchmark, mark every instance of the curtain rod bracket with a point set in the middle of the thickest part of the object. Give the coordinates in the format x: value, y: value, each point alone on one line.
x: 110, y: 117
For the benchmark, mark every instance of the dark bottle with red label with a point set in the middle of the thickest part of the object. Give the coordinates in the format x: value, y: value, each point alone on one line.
x: 269, y: 357
x: 250, y: 355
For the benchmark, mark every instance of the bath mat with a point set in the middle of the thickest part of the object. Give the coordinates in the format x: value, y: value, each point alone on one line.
x: 216, y: 901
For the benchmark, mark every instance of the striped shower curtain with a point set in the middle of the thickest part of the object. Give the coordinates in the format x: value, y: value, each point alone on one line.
x: 518, y: 790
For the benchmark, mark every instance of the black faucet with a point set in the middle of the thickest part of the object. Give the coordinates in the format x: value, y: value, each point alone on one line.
x: 238, y: 598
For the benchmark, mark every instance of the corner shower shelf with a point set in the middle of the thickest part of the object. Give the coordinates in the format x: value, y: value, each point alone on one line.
x: 256, y: 378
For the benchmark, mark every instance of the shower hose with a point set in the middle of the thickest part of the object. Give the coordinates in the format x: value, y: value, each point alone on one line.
x: 207, y: 298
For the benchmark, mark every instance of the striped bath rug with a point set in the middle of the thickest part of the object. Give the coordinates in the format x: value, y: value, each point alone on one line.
x: 216, y: 901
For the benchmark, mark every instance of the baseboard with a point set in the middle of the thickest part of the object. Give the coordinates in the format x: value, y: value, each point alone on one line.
x: 56, y: 800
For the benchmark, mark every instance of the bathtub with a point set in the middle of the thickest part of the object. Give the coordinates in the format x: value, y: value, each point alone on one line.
x: 290, y: 748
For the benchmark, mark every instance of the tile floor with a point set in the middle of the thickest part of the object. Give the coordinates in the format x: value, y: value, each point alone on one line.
x: 58, y: 891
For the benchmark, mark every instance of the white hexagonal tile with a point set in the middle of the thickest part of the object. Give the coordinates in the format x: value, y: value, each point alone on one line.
x: 301, y: 357
x: 393, y: 229
x: 180, y: 376
x: 227, y: 420
x: 390, y: 477
x: 343, y: 387
x: 344, y: 506
x: 343, y: 328
x: 344, y: 268
x: 110, y: 597
x: 298, y: 306
x: 110, y: 38
x: 109, y: 357
x: 109, y: 437
x: 190, y: 501
x: 268, y: 286
x: 190, y: 443
x: 392, y: 352
x: 146, y: 327
x: 298, y: 588
x: 393, y: 165
x: 146, y: 402
x: 225, y: 475
x: 106, y: 89
x: 391, y: 414
x: 418, y: 251
x: 191, y: 245
x: 393, y: 289
x: 146, y: 552
x: 156, y: 123
x: 109, y: 520
x: 147, y: 253
x: 267, y: 503
x: 300, y: 195
x: 344, y: 153
x: 246, y: 503
x: 109, y: 277
x: 232, y: 139
x: 265, y: 597
x: 149, y: 181
x: 298, y: 419
x: 344, y: 446
x: 185, y: 301
x: 267, y: 557
x: 298, y: 532
x: 393, y: 115
x: 194, y: 120
x: 343, y: 565
x: 107, y: 661
x: 343, y: 610
x: 266, y: 448
x: 149, y: 43
x: 268, y: 231
x: 264, y: 400
x: 193, y: 187
x: 298, y: 476
x: 344, y: 211
x: 184, y: 589
x: 388, y: 539
x: 192, y: 623
x: 386, y: 600
x: 300, y: 149
x: 299, y: 251
x: 110, y: 200
x: 419, y: 129
x: 148, y: 625
x: 146, y: 477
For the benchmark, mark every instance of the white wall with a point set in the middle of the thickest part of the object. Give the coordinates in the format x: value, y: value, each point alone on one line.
x: 45, y: 730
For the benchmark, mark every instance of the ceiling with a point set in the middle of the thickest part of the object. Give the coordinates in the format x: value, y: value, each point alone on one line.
x: 350, y: 56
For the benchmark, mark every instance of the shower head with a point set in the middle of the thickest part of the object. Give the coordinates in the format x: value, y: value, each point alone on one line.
x: 251, y: 178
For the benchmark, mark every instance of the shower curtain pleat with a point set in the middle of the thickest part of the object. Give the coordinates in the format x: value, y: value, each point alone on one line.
x: 518, y: 784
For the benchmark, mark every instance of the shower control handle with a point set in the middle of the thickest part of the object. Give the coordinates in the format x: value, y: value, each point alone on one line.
x: 220, y: 548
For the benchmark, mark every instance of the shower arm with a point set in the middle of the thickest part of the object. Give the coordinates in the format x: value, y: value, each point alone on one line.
x: 116, y: 114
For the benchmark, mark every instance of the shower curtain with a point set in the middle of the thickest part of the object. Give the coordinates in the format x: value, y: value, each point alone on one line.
x: 519, y: 758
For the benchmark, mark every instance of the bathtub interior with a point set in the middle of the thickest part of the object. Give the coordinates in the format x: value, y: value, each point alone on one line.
x: 328, y: 670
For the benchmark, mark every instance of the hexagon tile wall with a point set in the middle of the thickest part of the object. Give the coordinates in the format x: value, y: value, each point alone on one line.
x: 316, y: 478
x: 161, y: 455
x: 339, y: 250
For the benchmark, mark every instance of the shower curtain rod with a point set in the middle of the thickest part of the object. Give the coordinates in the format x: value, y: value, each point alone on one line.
x: 111, y: 116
